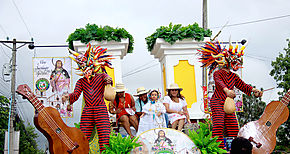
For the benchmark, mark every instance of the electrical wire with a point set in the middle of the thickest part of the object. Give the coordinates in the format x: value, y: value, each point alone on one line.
x: 3, y: 93
x: 22, y: 18
x: 3, y: 30
x: 140, y: 70
x: 4, y: 85
x: 4, y: 52
x: 136, y: 68
x: 260, y: 57
x: 254, y: 21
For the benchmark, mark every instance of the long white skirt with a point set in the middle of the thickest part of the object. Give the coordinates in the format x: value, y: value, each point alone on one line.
x: 148, y: 122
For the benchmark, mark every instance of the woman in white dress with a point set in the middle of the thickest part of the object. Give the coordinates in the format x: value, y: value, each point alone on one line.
x: 153, y: 114
x: 176, y: 106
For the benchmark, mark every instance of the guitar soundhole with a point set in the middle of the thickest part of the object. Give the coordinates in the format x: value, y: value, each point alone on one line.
x: 268, y: 123
x: 58, y: 130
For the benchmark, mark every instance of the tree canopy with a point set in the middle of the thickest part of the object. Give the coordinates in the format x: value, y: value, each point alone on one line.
x: 281, y: 73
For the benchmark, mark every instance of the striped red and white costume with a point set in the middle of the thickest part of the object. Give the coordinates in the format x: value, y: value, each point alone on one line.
x: 220, y: 119
x: 95, y: 110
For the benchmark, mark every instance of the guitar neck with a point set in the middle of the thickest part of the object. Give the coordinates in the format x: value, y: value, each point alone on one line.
x: 35, y: 102
x: 285, y: 100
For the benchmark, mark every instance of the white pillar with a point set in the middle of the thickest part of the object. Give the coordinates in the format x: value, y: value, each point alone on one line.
x: 180, y: 64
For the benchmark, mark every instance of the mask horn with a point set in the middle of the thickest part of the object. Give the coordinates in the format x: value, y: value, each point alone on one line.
x: 73, y: 52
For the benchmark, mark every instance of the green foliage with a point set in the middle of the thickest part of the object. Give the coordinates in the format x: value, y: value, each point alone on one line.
x: 77, y: 125
x: 4, y: 114
x: 253, y: 108
x: 281, y: 70
x: 172, y: 33
x: 27, y: 143
x: 99, y: 33
x: 120, y: 145
x: 281, y: 73
x: 202, y: 138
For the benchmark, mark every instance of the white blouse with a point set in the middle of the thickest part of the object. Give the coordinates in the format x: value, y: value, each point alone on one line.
x: 173, y: 105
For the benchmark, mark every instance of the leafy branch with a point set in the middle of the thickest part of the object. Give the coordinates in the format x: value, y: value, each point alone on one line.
x: 202, y: 138
x: 172, y: 33
x: 99, y: 33
x: 120, y: 145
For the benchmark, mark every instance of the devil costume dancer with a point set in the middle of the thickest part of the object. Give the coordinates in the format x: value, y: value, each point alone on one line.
x: 92, y: 85
x: 225, y: 81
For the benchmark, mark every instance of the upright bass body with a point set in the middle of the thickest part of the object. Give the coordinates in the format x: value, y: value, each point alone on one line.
x: 263, y: 131
x: 62, y: 139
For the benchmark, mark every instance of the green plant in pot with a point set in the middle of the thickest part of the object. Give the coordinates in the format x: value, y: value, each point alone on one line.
x: 98, y: 33
x: 120, y: 145
x: 172, y: 33
x: 202, y: 138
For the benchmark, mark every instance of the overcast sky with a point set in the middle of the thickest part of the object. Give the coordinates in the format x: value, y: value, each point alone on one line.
x: 51, y: 21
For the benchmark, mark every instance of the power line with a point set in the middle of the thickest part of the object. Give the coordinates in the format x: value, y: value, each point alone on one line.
x: 139, y: 67
x: 3, y: 30
x: 254, y: 21
x: 260, y: 57
x: 4, y: 52
x: 3, y: 91
x: 22, y: 18
x: 140, y: 70
x: 4, y: 94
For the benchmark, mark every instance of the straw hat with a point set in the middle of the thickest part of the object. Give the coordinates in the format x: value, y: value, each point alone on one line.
x: 174, y: 86
x: 141, y: 91
x: 120, y: 87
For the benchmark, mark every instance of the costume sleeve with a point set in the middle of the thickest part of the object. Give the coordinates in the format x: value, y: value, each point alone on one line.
x: 77, y: 92
x: 240, y: 84
x: 218, y: 80
x: 166, y: 100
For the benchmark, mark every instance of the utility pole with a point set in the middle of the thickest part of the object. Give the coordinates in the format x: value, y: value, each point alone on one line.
x: 13, y: 81
x: 204, y: 72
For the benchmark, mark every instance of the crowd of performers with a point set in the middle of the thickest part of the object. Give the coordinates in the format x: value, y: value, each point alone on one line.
x: 149, y: 110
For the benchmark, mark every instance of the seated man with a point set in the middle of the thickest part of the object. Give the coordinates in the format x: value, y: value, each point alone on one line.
x: 141, y: 100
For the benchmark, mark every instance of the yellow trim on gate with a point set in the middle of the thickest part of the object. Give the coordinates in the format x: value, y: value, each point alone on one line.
x: 184, y: 76
x: 111, y: 73
x: 164, y: 79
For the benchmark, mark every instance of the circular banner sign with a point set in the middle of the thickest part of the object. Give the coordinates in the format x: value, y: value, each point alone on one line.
x: 42, y: 84
x: 165, y: 141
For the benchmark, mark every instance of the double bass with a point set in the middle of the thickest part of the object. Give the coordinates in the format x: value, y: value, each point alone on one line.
x: 263, y: 131
x: 62, y: 139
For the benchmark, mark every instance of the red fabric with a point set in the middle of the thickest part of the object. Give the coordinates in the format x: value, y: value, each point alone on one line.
x: 230, y: 80
x: 220, y: 119
x: 93, y: 91
x: 98, y: 116
x: 128, y: 102
x: 95, y: 110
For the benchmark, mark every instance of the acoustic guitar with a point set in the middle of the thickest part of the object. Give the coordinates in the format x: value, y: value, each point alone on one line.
x: 62, y: 139
x: 263, y: 131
